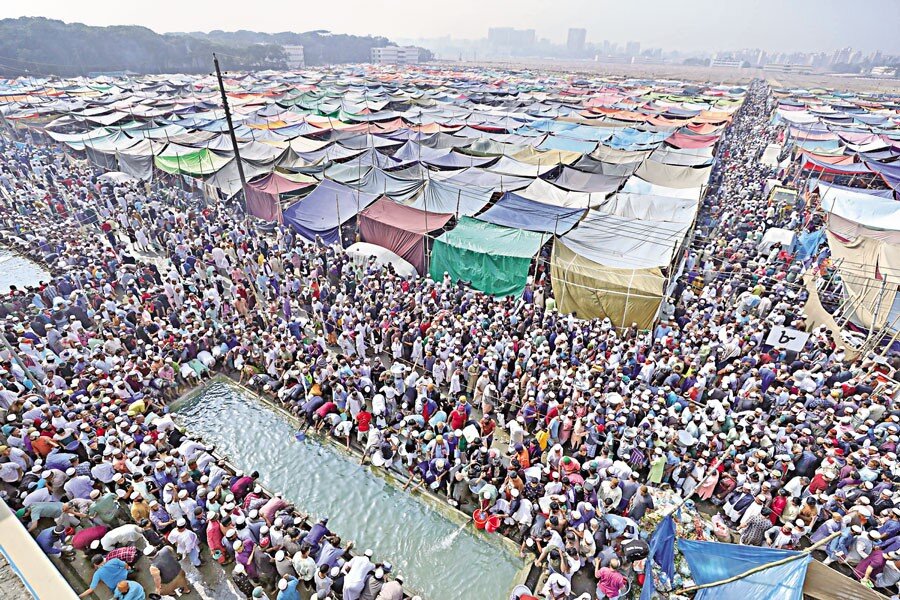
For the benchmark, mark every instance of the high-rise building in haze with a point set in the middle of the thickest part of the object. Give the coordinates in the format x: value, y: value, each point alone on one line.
x: 841, y: 56
x: 395, y: 55
x: 632, y: 48
x: 508, y: 37
x: 575, y: 40
x: 294, y: 57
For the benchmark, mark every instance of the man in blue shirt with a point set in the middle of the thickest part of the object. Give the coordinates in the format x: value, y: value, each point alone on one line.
x: 287, y: 589
x: 111, y: 573
x: 51, y: 540
x: 129, y: 590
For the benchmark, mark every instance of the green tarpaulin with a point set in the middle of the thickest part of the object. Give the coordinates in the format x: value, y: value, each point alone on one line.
x: 491, y: 258
x: 199, y: 162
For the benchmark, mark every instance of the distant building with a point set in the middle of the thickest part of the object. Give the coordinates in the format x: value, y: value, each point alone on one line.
x: 111, y: 74
x: 646, y: 60
x: 726, y: 62
x: 787, y: 68
x: 508, y: 37
x: 884, y: 71
x: 841, y: 56
x: 632, y: 49
x: 613, y: 59
x: 295, y: 58
x: 395, y: 55
x: 575, y: 40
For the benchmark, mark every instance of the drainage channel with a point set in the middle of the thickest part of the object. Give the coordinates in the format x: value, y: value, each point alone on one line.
x: 441, y: 557
x: 19, y: 271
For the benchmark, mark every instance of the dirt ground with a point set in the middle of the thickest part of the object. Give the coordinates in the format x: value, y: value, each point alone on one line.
x: 11, y: 587
x: 695, y: 73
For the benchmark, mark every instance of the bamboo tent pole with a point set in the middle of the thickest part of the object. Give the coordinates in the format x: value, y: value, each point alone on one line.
x: 759, y: 568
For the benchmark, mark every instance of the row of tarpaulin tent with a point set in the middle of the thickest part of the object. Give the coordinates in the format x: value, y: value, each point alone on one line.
x: 863, y: 235
x: 844, y: 151
x: 475, y: 173
x: 840, y: 138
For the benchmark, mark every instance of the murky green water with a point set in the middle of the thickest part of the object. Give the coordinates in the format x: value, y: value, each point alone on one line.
x: 440, y: 560
x: 18, y: 271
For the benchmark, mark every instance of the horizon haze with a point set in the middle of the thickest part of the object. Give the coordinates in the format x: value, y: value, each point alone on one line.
x: 698, y: 25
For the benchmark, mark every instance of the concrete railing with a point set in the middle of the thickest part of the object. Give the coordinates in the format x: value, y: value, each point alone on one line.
x: 28, y: 561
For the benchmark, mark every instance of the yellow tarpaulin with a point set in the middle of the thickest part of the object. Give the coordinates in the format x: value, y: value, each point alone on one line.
x: 870, y: 272
x: 590, y: 290
x: 532, y: 156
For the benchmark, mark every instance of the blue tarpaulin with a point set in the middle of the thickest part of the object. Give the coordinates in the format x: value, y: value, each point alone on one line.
x: 560, y: 142
x: 664, y: 546
x: 547, y: 126
x: 384, y: 183
x: 813, y: 145
x: 490, y: 180
x: 512, y: 210
x: 662, y: 551
x: 445, y: 159
x: 712, y: 561
x: 451, y: 159
x: 587, y: 132
x: 369, y: 158
x: 886, y: 194
x: 324, y: 209
x: 446, y: 197
x: 890, y: 172
x: 784, y: 582
x: 633, y: 138
x: 808, y: 243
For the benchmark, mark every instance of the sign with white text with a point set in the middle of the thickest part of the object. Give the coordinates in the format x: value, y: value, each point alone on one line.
x: 787, y: 338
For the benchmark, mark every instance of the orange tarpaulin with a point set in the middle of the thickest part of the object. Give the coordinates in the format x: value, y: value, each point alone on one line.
x: 812, y: 136
x: 704, y: 128
x: 712, y: 116
x: 665, y: 121
x: 269, y: 125
x: 392, y: 125
x: 628, y: 115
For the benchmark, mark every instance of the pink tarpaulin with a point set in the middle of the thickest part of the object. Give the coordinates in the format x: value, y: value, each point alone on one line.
x: 401, y: 229
x: 263, y: 195
x: 684, y: 140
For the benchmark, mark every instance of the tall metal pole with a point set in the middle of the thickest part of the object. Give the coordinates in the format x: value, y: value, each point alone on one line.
x: 234, y: 144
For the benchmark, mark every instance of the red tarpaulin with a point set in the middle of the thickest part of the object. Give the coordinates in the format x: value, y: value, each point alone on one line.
x: 831, y: 160
x: 263, y: 195
x: 684, y: 140
x: 810, y: 163
x: 401, y: 229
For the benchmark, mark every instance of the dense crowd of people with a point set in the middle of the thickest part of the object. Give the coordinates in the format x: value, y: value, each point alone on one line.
x: 561, y: 428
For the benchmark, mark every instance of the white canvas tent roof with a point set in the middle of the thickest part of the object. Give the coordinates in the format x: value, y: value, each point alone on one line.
x: 361, y: 252
x: 625, y: 243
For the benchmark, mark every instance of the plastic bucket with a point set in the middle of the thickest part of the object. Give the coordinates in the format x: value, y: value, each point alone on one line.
x: 493, y: 524
x: 480, y: 518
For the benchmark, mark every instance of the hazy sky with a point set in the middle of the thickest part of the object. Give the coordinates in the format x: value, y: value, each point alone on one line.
x: 671, y: 24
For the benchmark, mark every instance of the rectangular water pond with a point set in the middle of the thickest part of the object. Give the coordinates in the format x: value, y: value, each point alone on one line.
x: 440, y: 560
x: 19, y: 271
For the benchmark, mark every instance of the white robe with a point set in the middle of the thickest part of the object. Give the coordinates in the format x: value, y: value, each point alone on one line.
x: 357, y: 568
